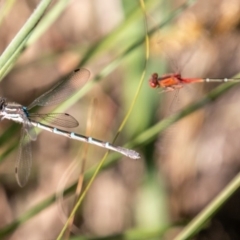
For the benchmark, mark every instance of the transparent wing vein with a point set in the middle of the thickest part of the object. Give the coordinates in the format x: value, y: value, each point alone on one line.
x: 62, y: 90
x: 56, y: 119
x: 24, y: 160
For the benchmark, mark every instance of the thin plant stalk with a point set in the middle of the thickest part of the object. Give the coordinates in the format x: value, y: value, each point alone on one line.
x: 78, y: 190
x: 25, y: 31
x: 207, y: 213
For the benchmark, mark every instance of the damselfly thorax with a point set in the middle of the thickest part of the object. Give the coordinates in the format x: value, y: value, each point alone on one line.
x: 12, y: 111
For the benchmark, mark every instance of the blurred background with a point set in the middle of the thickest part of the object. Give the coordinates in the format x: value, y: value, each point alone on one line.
x: 180, y: 171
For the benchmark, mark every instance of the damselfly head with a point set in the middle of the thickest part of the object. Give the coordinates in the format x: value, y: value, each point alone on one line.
x: 153, y: 81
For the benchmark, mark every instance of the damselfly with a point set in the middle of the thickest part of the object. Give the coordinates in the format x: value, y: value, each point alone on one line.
x: 20, y: 114
x: 171, y: 82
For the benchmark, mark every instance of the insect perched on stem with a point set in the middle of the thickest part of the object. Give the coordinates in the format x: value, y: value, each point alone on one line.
x: 171, y: 82
x: 18, y: 113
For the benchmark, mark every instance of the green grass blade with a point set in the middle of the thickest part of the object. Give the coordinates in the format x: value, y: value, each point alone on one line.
x: 199, y: 221
x: 44, y: 24
x: 23, y: 33
x: 10, y: 63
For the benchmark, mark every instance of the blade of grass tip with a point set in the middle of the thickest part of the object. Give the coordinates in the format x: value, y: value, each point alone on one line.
x: 198, y: 222
x: 23, y: 33
x: 118, y: 132
x: 6, y: 9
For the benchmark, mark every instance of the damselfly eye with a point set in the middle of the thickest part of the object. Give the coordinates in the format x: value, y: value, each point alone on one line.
x: 153, y: 83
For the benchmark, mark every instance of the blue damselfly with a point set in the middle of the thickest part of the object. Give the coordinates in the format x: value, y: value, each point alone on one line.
x: 18, y: 113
